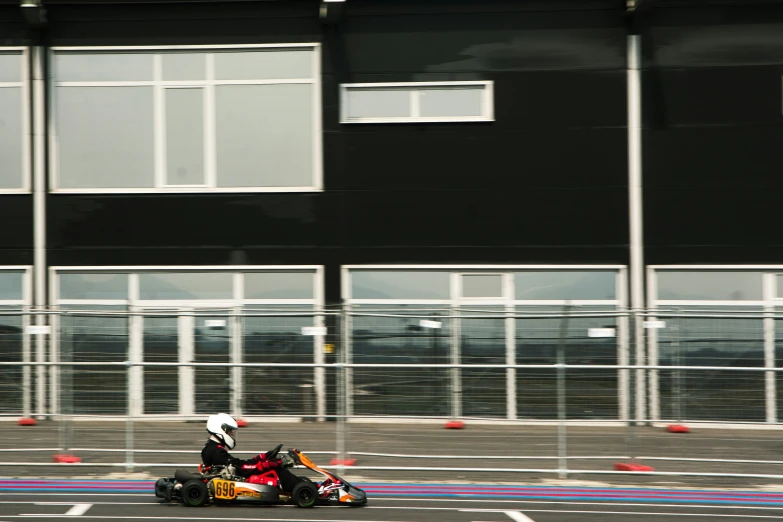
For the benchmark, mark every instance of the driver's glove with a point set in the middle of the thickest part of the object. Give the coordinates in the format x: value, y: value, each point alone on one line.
x: 287, y: 461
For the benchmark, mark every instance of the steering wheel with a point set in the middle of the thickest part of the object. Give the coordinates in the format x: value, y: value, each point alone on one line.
x: 272, y: 454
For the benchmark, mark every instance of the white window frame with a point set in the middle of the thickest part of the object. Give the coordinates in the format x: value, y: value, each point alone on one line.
x: 619, y: 303
x: 415, y: 88
x: 26, y: 152
x: 182, y: 307
x: 210, y: 138
x: 768, y: 304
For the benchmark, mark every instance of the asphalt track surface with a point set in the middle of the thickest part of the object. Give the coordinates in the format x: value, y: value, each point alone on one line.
x: 96, y: 500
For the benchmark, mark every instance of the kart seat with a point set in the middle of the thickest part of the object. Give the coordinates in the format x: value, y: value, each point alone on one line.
x: 183, y: 475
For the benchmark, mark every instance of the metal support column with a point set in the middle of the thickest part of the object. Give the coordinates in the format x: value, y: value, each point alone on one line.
x: 635, y: 209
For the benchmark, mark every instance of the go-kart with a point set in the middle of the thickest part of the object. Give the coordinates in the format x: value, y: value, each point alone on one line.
x: 219, y: 484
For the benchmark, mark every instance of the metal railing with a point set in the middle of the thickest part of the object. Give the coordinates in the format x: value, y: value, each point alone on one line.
x: 552, y: 391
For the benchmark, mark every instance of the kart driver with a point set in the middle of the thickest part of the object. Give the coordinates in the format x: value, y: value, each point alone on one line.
x: 223, y: 435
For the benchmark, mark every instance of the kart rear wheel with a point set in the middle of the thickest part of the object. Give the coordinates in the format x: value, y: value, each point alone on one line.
x: 304, y: 495
x: 194, y: 493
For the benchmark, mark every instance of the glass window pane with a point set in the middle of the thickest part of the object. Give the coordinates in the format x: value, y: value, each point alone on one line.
x: 378, y: 103
x: 184, y: 66
x: 393, y: 334
x: 11, y: 350
x: 482, y: 286
x: 451, y: 101
x: 94, y: 338
x: 95, y: 67
x: 11, y: 286
x: 263, y: 65
x: 279, y: 285
x: 186, y: 285
x: 729, y: 286
x: 10, y: 67
x: 565, y: 285
x: 161, y: 345
x: 11, y: 153
x: 185, y: 136
x: 105, y: 137
x: 264, y: 135
x: 399, y: 285
x: 93, y: 285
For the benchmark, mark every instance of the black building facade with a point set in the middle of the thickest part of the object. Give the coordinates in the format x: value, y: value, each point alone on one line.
x: 533, y: 174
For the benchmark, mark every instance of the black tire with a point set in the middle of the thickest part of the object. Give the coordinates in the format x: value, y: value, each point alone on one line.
x: 304, y: 495
x: 194, y: 493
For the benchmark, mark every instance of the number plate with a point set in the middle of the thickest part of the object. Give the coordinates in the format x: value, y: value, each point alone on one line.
x: 224, y: 489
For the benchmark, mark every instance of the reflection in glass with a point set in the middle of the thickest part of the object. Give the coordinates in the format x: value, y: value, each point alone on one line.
x: 279, y: 285
x: 590, y: 394
x: 185, y: 136
x: 482, y: 285
x: 105, y: 137
x: 278, y: 339
x: 264, y: 135
x: 380, y: 284
x: 93, y: 285
x: 378, y: 103
x: 212, y: 344
x: 483, y: 341
x: 11, y: 154
x: 264, y: 64
x: 161, y: 345
x: 565, y: 285
x: 182, y: 66
x: 186, y: 285
x: 11, y: 286
x: 463, y: 101
x: 11, y: 384
x: 712, y: 338
x: 94, y: 338
x: 102, y: 67
x: 728, y: 286
x: 401, y: 340
x: 11, y: 67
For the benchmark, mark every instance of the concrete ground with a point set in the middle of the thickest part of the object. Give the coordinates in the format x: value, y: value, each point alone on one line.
x: 513, y: 454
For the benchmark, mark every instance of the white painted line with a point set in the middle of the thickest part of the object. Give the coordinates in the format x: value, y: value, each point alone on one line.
x: 634, y: 513
x: 78, y: 510
x: 518, y: 516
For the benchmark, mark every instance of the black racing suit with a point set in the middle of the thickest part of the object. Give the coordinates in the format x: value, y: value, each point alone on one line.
x: 215, y: 454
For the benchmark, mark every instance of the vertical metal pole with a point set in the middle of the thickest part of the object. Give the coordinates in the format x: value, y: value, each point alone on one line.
x: 770, y: 384
x: 39, y: 213
x: 129, y: 442
x: 562, y: 449
x: 186, y: 325
x: 342, y: 388
x: 456, y: 373
x: 634, y: 78
x: 511, y: 358
x: 677, y: 376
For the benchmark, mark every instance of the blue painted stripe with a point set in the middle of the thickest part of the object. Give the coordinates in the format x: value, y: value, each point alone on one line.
x: 423, y: 491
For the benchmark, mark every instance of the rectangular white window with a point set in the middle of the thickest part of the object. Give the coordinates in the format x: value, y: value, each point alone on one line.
x: 419, y: 102
x: 14, y: 121
x: 186, y: 119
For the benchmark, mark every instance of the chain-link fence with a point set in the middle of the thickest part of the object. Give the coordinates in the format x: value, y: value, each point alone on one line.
x: 560, y: 391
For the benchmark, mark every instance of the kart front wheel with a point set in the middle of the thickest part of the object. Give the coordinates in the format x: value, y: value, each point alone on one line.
x: 304, y: 495
x: 194, y: 493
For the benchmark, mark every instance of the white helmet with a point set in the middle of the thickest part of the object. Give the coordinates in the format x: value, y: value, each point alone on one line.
x: 223, y: 427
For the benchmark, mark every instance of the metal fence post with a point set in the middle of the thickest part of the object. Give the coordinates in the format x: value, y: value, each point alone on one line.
x: 562, y: 452
x: 677, y: 412
x: 129, y: 442
x: 633, y: 382
x: 342, y: 390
